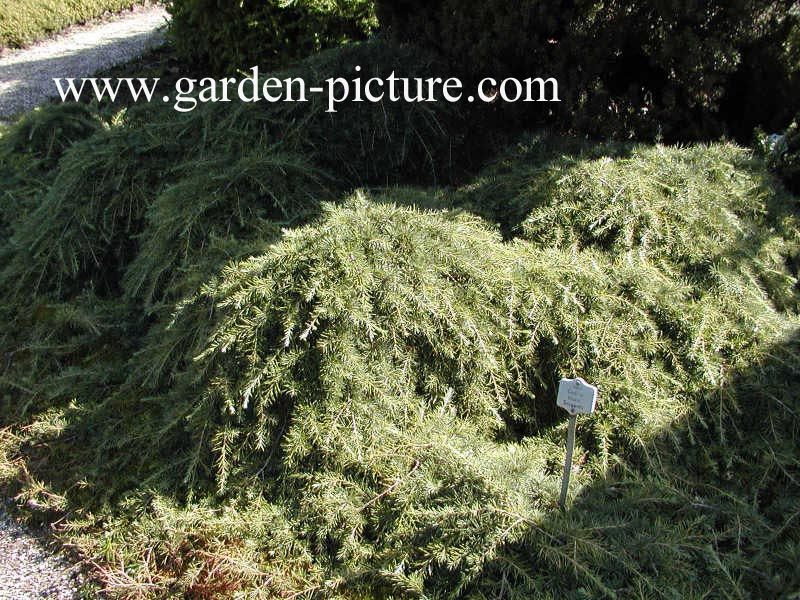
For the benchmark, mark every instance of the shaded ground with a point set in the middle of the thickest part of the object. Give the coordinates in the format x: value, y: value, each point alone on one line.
x: 26, y: 76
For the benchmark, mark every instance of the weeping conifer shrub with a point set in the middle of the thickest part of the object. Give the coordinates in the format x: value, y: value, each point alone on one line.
x: 484, y: 334
x: 284, y: 159
x: 703, y: 213
x: 232, y: 201
x: 79, y: 235
x: 30, y: 150
x: 299, y: 155
x: 706, y: 213
x: 387, y: 376
x: 45, y: 133
x: 367, y: 401
x: 139, y: 214
x: 363, y: 143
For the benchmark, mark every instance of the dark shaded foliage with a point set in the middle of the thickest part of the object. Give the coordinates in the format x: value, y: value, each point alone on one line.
x: 238, y: 35
x: 674, y: 70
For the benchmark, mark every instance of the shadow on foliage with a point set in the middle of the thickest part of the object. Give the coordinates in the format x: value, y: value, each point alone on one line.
x: 709, y: 504
x: 525, y: 177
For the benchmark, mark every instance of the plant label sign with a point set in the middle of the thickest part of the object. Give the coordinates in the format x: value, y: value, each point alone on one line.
x: 576, y: 396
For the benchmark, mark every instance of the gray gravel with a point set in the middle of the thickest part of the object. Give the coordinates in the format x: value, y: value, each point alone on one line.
x: 28, y: 570
x: 26, y: 76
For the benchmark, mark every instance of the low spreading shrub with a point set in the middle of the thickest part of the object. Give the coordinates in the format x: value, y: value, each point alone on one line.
x: 701, y: 213
x: 238, y: 35
x: 374, y: 394
x: 80, y: 232
x: 29, y: 152
x: 228, y: 373
x: 45, y: 134
x: 260, y: 162
x: 22, y: 22
x: 379, y: 143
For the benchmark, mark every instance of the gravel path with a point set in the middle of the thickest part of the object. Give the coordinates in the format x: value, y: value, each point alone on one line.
x: 26, y: 76
x: 28, y: 570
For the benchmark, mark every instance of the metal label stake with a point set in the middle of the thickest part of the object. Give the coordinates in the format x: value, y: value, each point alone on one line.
x: 576, y: 397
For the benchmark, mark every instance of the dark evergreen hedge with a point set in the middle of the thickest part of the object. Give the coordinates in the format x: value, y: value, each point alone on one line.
x: 229, y: 35
x: 650, y: 68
